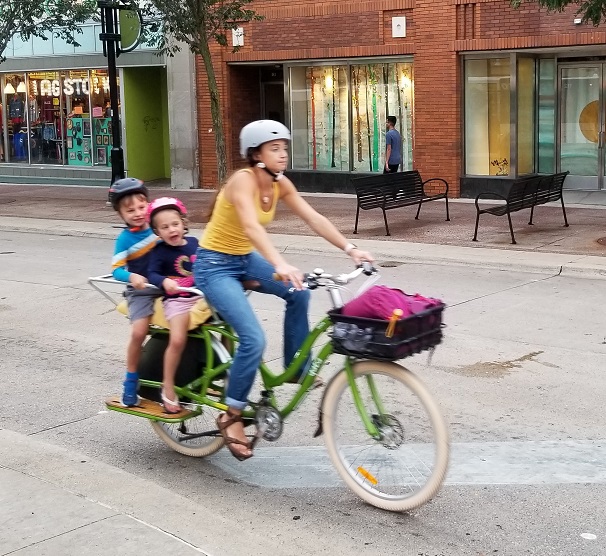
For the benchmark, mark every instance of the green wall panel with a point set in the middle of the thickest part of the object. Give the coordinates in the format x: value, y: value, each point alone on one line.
x: 146, y: 119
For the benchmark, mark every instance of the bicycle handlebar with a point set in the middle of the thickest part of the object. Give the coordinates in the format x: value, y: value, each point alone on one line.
x: 320, y: 278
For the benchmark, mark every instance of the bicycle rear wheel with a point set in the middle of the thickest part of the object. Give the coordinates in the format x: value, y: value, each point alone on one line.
x: 405, y: 465
x: 197, y: 437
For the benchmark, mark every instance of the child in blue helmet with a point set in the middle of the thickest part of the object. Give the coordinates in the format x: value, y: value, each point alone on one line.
x: 129, y: 198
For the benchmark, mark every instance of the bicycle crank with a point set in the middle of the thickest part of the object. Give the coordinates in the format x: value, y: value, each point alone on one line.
x: 269, y: 423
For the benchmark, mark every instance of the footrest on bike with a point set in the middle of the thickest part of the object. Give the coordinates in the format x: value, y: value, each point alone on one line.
x: 148, y: 409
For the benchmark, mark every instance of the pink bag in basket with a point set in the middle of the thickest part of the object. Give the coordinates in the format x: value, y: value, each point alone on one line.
x: 379, y: 302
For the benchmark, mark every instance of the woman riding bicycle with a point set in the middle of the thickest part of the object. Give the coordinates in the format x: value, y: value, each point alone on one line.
x: 236, y: 247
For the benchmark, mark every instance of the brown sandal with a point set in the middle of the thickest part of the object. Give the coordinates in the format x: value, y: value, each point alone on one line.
x: 230, y: 441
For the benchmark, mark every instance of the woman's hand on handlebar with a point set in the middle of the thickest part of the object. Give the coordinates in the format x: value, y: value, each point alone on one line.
x: 360, y: 256
x: 288, y: 273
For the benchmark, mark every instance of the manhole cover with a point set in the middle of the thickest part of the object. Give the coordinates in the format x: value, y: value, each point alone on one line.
x: 602, y: 241
x: 391, y: 264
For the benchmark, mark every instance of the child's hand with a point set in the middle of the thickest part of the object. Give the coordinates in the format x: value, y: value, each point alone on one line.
x: 137, y: 281
x: 170, y: 286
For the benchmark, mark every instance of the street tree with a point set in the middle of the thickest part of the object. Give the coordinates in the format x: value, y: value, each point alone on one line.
x: 27, y: 18
x: 591, y: 11
x: 197, y: 23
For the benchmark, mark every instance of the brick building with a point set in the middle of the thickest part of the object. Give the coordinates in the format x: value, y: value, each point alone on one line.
x: 483, y: 93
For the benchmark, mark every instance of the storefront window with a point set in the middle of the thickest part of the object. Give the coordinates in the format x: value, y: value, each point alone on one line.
x: 56, y: 118
x: 487, y: 112
x: 378, y: 91
x: 14, y: 127
x: 546, y: 102
x: 320, y: 123
x: 325, y: 131
x: 526, y: 117
x: 45, y: 116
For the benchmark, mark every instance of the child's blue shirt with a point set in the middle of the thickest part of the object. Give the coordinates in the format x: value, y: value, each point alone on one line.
x: 132, y: 253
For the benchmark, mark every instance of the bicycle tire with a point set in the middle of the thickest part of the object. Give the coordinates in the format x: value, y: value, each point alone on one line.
x: 177, y: 440
x: 417, y: 450
x: 173, y: 435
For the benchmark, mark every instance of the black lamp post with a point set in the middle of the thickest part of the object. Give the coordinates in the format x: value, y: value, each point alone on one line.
x: 110, y: 38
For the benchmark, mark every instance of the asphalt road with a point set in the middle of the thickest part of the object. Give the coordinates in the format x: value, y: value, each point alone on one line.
x: 519, y: 377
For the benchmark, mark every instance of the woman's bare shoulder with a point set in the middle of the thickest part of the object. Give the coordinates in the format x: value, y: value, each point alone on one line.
x: 286, y: 187
x: 241, y: 182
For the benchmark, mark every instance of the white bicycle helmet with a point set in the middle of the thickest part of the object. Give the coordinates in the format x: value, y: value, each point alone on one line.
x: 256, y: 133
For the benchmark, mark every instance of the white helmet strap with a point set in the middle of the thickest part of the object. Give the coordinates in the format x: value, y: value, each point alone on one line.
x: 274, y: 175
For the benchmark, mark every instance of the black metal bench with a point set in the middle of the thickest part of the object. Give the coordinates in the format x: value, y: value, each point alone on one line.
x: 389, y: 191
x: 525, y: 193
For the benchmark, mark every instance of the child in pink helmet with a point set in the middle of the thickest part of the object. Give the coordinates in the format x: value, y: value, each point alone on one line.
x: 170, y: 268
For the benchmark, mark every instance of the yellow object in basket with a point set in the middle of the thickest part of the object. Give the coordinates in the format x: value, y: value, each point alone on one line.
x: 198, y: 314
x: 391, y: 327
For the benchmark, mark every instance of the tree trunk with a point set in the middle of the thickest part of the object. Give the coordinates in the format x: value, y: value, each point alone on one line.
x: 215, y: 109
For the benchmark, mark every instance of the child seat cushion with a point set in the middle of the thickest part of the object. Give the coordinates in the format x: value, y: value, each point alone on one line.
x: 198, y: 314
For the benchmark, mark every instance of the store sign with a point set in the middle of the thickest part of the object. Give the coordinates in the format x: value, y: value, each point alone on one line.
x: 52, y: 87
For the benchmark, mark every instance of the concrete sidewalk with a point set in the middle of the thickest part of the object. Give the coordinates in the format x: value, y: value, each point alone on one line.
x: 76, y: 210
x: 57, y: 501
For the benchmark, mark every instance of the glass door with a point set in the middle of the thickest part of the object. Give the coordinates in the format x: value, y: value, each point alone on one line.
x: 581, y: 125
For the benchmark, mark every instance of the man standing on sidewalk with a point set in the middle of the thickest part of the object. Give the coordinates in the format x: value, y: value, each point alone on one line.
x: 393, y: 147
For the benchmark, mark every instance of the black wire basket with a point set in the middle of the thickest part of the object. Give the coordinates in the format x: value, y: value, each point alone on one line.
x: 366, y: 338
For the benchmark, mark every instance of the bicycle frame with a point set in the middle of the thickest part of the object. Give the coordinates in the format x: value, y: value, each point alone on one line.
x: 209, y: 332
x: 269, y: 379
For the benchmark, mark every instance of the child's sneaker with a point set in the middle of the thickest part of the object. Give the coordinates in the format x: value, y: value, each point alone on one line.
x: 129, y: 394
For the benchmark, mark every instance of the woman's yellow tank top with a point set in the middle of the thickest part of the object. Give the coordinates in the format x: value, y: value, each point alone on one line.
x: 224, y: 232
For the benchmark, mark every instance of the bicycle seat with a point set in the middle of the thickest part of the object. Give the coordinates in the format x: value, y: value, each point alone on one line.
x: 198, y: 314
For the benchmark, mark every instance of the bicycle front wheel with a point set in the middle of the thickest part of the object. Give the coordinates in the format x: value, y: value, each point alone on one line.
x: 404, y: 464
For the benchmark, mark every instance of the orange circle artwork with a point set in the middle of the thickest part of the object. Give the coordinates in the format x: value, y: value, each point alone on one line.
x: 588, y: 121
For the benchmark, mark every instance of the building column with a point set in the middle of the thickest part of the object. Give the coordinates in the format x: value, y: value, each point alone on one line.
x: 437, y: 125
x: 182, y: 110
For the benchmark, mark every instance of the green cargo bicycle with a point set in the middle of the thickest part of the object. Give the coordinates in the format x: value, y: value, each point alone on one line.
x: 383, y: 430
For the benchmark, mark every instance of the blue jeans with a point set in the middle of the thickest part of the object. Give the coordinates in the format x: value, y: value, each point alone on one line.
x: 219, y: 276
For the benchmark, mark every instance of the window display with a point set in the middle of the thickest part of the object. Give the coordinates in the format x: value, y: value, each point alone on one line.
x: 320, y: 123
x: 487, y: 116
x: 378, y: 91
x: 56, y: 117
x: 326, y: 133
x: 14, y: 124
